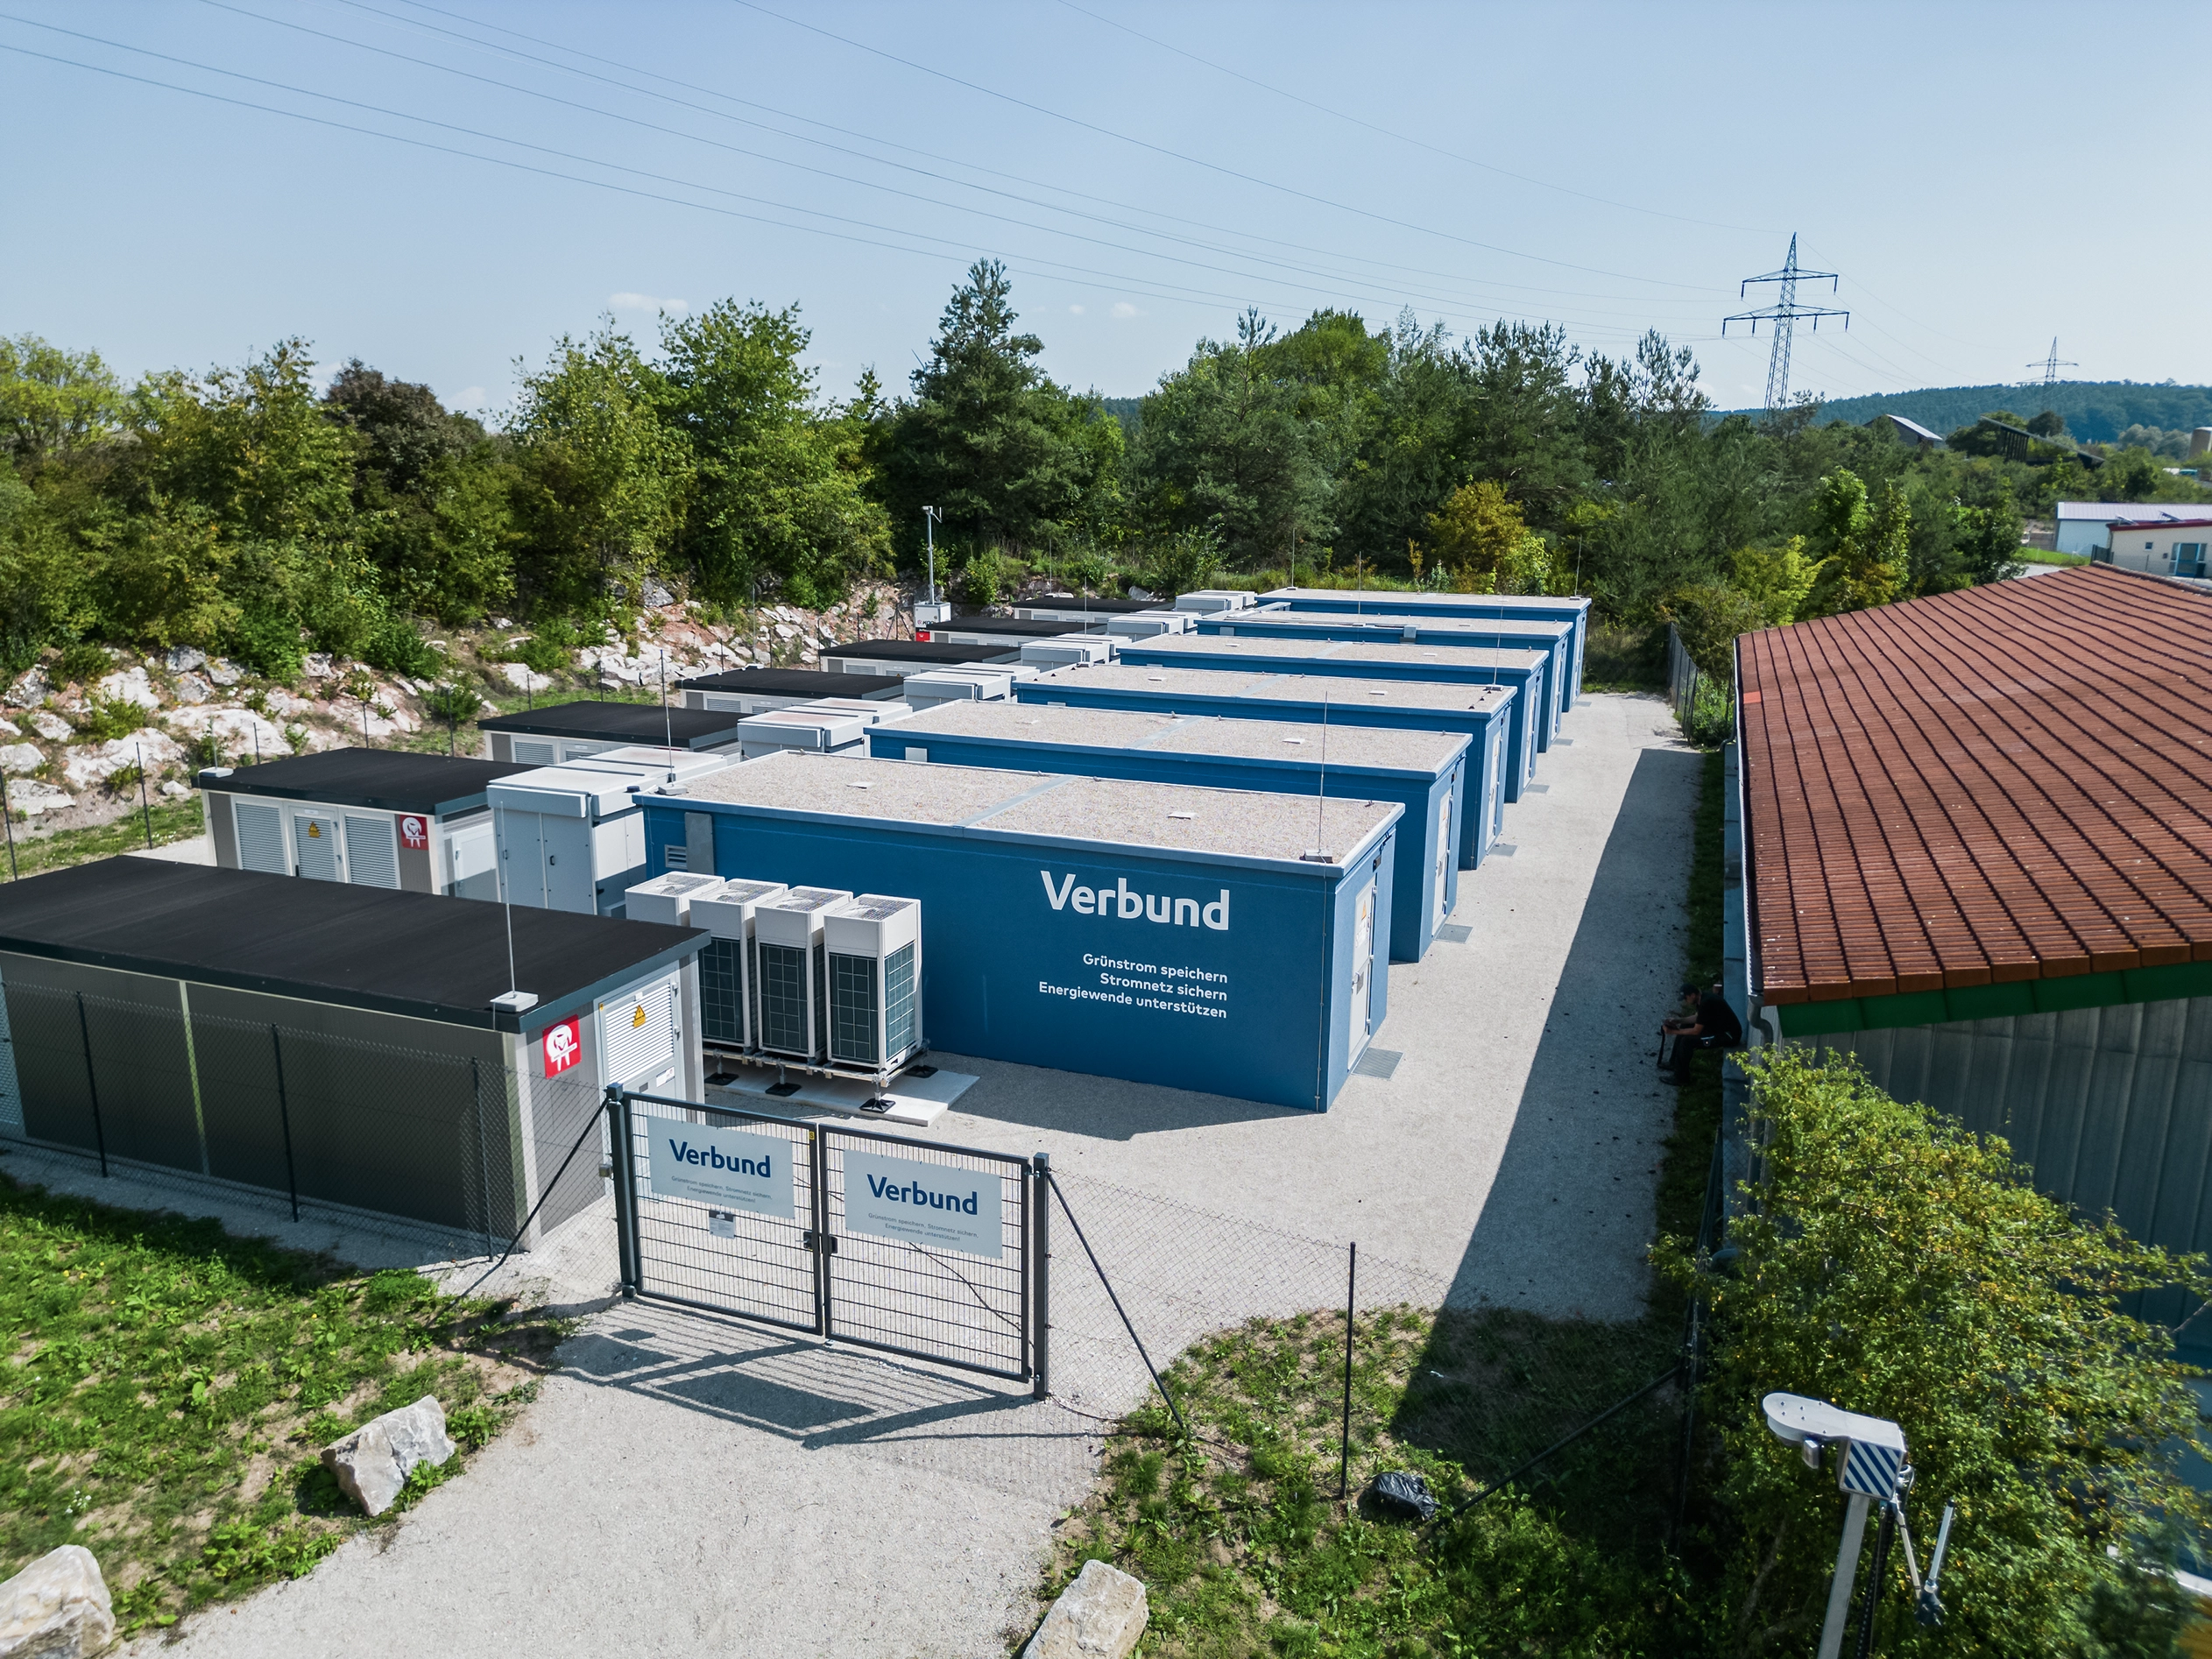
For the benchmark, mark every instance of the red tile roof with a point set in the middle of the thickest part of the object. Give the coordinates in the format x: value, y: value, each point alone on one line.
x: 2013, y: 782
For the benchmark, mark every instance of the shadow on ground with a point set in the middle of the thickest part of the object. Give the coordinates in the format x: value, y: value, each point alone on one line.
x: 1581, y: 1164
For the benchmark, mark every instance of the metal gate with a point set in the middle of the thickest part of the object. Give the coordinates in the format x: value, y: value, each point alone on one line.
x: 912, y: 1247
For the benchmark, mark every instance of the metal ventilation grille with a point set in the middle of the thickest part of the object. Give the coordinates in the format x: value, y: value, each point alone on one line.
x: 1378, y: 1063
x: 853, y: 1009
x: 898, y: 1002
x: 314, y: 837
x: 530, y: 753
x: 640, y: 1032
x: 783, y: 998
x: 373, y: 852
x: 722, y: 992
x: 261, y: 838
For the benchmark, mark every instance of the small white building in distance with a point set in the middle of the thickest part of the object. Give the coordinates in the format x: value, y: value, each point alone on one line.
x: 1906, y: 430
x: 2082, y: 524
x: 2160, y: 547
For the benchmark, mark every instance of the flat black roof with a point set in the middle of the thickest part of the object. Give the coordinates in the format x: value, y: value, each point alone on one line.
x: 796, y: 682
x: 920, y: 651
x: 386, y: 780
x: 623, y: 722
x: 1022, y: 626
x: 404, y: 953
x: 1100, y: 607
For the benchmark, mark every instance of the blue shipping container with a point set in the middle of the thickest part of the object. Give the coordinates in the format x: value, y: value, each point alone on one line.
x: 1424, y: 771
x: 1572, y: 610
x: 1459, y: 633
x: 1162, y: 934
x: 1366, y: 659
x: 1500, y: 749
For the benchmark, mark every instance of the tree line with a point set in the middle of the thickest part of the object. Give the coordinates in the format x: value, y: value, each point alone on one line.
x: 254, y: 511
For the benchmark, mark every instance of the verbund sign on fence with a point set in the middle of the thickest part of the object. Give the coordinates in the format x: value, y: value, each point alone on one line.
x: 726, y: 1168
x: 937, y: 1205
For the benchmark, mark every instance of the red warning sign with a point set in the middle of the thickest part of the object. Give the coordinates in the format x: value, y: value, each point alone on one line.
x: 564, y: 1046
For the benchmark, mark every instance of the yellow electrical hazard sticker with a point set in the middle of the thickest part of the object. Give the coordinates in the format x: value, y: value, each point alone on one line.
x: 314, y: 831
x: 637, y: 1020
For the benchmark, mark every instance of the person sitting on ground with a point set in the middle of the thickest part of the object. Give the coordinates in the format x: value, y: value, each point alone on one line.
x: 1712, y: 1025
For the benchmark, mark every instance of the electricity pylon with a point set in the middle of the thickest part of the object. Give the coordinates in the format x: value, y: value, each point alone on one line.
x: 1784, y: 315
x: 2052, y: 364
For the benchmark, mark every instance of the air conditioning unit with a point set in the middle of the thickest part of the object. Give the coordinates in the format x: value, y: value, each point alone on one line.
x: 1209, y: 601
x: 791, y: 973
x: 925, y: 691
x: 668, y: 898
x: 803, y: 728
x: 873, y: 944
x: 728, y: 995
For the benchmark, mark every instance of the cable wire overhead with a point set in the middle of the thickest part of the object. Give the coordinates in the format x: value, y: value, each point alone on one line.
x: 1784, y: 315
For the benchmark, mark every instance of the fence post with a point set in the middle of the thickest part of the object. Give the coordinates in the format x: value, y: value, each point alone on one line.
x: 92, y: 1084
x: 818, y: 1227
x: 625, y: 1189
x: 1351, y: 1302
x: 1040, y: 1271
x: 283, y: 1117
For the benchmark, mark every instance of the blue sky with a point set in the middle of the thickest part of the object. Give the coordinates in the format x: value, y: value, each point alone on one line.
x: 1982, y: 177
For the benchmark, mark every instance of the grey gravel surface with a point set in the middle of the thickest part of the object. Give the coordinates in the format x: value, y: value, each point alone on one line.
x: 691, y: 1484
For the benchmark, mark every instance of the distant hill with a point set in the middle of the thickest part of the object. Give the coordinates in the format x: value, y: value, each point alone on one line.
x: 1127, y: 411
x: 2095, y: 410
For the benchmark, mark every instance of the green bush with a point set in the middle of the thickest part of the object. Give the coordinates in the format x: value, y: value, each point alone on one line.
x: 268, y: 642
x: 81, y: 663
x: 107, y: 718
x: 397, y: 648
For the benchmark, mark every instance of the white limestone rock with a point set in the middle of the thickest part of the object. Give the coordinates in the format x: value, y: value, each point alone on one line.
x: 30, y: 689
x: 194, y: 688
x: 184, y: 659
x: 129, y: 685
x: 52, y: 727
x: 522, y: 677
x: 373, y: 1462
x: 224, y: 672
x: 56, y: 1609
x: 20, y: 757
x: 1099, y: 1616
x: 96, y: 763
x: 30, y: 797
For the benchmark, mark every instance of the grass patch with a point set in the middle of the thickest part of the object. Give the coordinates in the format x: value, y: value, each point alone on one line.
x: 1237, y: 1532
x: 1615, y: 658
x: 169, y: 1386
x: 172, y: 821
x: 2046, y: 555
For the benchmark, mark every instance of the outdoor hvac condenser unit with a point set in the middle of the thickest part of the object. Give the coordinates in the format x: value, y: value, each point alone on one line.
x: 1209, y: 601
x: 874, y: 946
x: 792, y: 993
x: 728, y: 977
x: 1150, y: 624
x: 668, y: 898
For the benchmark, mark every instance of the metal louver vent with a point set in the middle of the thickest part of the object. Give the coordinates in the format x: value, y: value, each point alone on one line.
x: 373, y: 851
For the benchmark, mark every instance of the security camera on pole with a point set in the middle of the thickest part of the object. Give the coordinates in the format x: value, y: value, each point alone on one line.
x: 1872, y: 1470
x: 932, y: 609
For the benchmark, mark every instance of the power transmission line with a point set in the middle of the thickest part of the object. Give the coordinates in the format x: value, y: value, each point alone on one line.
x: 2052, y: 364
x: 1784, y: 315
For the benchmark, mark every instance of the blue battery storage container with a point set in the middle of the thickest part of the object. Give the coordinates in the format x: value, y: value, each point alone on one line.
x: 1192, y: 938
x: 1572, y: 609
x: 1498, y: 750
x: 1459, y: 633
x: 1424, y: 771
x: 1367, y: 660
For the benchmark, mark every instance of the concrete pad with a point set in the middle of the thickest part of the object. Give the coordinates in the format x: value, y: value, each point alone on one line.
x: 910, y: 1102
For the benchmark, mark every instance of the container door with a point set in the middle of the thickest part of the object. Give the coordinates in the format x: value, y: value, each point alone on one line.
x: 1359, y: 1011
x: 315, y: 843
x: 475, y: 868
x: 261, y: 838
x: 568, y: 878
x: 1447, y: 853
x: 638, y: 1036
x: 1496, y: 781
x: 372, y: 850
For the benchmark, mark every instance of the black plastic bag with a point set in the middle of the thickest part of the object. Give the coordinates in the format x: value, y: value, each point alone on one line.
x: 1402, y: 1492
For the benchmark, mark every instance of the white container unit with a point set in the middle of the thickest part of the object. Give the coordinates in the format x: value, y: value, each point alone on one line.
x: 1070, y: 651
x: 873, y: 946
x: 572, y: 837
x: 728, y: 993
x: 1146, y: 625
x: 868, y: 711
x: 925, y: 691
x: 804, y: 727
x: 791, y: 973
x: 1209, y: 601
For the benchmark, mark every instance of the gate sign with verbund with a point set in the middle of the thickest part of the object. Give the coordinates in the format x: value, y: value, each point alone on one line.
x: 725, y: 1167
x: 933, y: 1205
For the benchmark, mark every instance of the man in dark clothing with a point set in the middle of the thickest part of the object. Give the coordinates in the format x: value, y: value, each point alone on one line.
x: 1713, y: 1025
